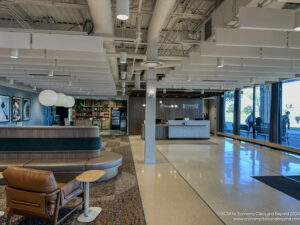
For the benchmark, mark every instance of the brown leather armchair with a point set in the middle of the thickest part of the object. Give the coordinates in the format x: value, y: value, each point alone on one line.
x: 35, y: 193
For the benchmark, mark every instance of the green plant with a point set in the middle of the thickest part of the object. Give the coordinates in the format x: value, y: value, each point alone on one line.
x: 105, y: 106
x: 19, y: 121
x: 80, y: 106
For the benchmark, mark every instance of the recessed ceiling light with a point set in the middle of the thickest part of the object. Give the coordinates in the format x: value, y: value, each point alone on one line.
x: 14, y: 53
x: 123, y: 9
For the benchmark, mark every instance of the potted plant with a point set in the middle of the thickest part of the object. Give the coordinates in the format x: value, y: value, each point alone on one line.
x: 19, y: 122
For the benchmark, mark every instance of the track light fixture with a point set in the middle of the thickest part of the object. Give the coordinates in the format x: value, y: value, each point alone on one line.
x: 70, y: 83
x: 11, y: 82
x: 14, y: 53
x: 123, y: 9
x: 188, y: 78
x: 34, y: 88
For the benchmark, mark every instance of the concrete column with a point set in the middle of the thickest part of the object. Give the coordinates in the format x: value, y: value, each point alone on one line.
x: 150, y: 117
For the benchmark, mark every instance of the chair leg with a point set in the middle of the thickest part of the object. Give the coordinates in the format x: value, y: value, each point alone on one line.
x: 8, y: 218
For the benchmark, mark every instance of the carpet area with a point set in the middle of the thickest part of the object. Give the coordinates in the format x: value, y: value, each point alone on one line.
x: 289, y: 185
x: 119, y: 197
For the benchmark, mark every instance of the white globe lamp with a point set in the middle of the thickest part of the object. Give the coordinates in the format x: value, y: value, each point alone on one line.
x: 48, y: 97
x: 61, y: 100
x: 70, y: 102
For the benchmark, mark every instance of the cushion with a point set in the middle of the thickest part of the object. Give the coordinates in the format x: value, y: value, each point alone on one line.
x: 30, y: 179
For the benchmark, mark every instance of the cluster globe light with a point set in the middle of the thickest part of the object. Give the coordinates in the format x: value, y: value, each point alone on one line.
x: 70, y: 102
x: 48, y: 97
x: 61, y: 100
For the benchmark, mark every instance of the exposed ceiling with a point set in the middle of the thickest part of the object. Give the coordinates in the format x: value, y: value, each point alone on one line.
x: 189, y: 46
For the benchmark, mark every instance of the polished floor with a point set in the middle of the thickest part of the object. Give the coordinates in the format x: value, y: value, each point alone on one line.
x: 211, y: 183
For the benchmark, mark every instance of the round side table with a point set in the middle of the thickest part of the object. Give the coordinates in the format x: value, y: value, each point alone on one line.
x: 90, y: 213
x: 1, y: 177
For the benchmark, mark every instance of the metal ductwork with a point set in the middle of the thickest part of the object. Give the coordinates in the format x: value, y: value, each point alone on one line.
x: 103, y: 25
x: 161, y: 11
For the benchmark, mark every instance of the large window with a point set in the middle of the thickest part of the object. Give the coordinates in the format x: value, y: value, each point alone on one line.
x: 246, y: 113
x: 262, y: 111
x: 290, y: 120
x: 229, y: 111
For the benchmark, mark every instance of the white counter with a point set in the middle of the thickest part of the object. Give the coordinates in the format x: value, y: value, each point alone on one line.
x: 189, y: 129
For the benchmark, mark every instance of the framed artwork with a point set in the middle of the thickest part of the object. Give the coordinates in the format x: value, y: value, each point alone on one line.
x: 4, y: 108
x: 16, y: 109
x: 26, y: 109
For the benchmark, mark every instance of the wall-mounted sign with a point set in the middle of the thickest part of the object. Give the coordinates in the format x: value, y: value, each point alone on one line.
x: 190, y: 106
x: 167, y: 106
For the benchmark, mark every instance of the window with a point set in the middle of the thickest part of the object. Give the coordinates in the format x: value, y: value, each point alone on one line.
x: 246, y: 113
x: 262, y: 111
x: 229, y: 111
x: 290, y: 120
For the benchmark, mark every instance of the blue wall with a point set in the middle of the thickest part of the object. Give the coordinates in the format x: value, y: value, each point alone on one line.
x: 37, y: 110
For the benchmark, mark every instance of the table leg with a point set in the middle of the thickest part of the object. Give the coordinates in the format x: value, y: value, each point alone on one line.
x: 90, y: 213
x: 87, y: 198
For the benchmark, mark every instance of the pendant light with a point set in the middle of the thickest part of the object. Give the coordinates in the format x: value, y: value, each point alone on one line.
x: 297, y: 21
x: 61, y: 100
x: 123, y: 57
x: 220, y: 62
x: 14, y: 53
x: 123, y: 9
x: 70, y: 102
x: 48, y: 97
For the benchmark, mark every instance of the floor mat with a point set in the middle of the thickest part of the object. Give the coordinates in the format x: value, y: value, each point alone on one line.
x: 119, y: 197
x: 289, y: 185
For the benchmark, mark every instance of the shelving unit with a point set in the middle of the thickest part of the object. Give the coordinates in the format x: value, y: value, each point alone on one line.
x: 94, y: 112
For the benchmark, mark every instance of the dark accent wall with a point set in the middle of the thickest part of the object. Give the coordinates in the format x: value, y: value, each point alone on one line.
x: 37, y: 110
x: 137, y: 111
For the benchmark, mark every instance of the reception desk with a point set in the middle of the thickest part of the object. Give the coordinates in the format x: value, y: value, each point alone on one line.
x: 181, y: 129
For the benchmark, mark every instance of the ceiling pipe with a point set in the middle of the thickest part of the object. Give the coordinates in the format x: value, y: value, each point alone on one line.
x: 103, y: 24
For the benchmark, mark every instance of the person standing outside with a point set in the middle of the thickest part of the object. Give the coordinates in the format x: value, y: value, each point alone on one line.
x: 285, y: 122
x: 250, y: 121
